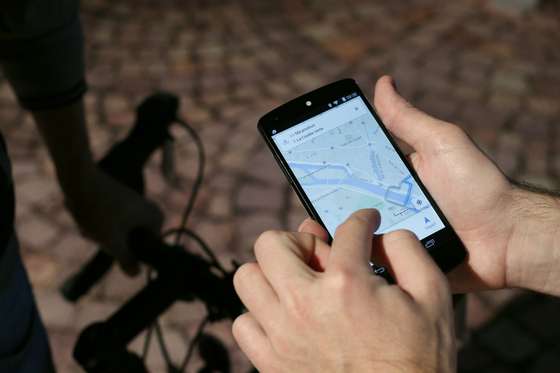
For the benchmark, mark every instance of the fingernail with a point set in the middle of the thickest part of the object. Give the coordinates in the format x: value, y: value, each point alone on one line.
x: 369, y: 214
x: 304, y: 223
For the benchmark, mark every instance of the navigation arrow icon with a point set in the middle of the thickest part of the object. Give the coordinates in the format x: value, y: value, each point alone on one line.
x: 426, y: 220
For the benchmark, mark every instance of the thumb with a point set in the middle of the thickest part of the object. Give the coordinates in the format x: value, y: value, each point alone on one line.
x: 402, y: 119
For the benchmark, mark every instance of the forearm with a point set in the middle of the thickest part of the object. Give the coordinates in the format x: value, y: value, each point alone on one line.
x: 533, y: 259
x: 65, y: 134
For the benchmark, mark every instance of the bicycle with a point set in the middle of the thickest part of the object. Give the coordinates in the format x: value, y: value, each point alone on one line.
x: 175, y: 273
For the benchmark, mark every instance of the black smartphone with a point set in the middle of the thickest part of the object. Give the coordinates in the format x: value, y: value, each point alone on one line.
x: 339, y: 157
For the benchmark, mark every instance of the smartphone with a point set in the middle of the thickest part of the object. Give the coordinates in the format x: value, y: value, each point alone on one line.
x: 339, y: 157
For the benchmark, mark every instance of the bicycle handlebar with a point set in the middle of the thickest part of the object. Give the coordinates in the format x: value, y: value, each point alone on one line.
x: 180, y: 276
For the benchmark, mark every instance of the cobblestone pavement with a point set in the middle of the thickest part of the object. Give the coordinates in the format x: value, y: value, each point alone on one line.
x: 485, y: 65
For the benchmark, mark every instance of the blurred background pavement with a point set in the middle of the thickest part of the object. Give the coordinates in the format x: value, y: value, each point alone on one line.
x: 491, y: 66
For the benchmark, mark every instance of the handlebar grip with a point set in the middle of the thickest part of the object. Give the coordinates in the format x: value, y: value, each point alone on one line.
x: 82, y: 281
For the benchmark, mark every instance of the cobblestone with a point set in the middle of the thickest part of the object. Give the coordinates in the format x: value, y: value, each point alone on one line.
x: 230, y: 62
x: 55, y: 311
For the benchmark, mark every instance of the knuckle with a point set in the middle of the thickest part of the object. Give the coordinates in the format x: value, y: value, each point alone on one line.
x: 357, y: 218
x: 296, y: 303
x: 243, y: 273
x: 436, y: 287
x: 439, y: 282
x: 401, y: 235
x: 267, y: 239
x: 449, y: 131
x: 341, y: 281
x: 454, y: 130
x: 282, y: 347
x: 240, y: 324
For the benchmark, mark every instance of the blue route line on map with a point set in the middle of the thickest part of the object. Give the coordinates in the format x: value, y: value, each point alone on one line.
x: 389, y: 195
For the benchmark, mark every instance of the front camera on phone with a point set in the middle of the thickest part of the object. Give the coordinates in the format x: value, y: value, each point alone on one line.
x: 308, y: 103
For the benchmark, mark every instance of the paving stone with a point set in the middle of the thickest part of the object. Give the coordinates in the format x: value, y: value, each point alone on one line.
x: 182, y: 314
x: 24, y: 168
x: 90, y: 310
x: 437, y: 105
x: 296, y: 217
x: 55, y: 311
x: 36, y: 190
x: 36, y: 232
x: 218, y: 236
x: 234, y: 161
x: 62, y: 345
x: 532, y: 126
x: 265, y: 168
x: 119, y: 287
x: 536, y: 157
x: 510, y: 82
x: 505, y: 101
x: 515, y: 6
x: 43, y: 270
x: 220, y: 206
x: 260, y: 197
x: 545, y: 182
x: 250, y: 228
x: 73, y: 248
x: 175, y: 345
x: 543, y: 106
x: 555, y: 168
x: 507, y: 152
x: 222, y: 181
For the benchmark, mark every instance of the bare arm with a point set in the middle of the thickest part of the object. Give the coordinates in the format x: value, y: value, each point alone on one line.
x: 104, y: 209
x: 66, y: 137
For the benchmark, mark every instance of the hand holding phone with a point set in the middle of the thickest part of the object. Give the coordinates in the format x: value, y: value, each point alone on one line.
x: 339, y: 158
x: 472, y: 191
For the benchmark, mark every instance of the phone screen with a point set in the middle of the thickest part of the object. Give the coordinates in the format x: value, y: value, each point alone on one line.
x: 344, y: 162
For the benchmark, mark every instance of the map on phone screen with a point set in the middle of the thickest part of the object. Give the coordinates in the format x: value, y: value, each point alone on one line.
x: 344, y: 162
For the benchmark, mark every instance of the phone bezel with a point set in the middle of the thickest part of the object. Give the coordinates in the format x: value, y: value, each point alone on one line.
x: 447, y: 251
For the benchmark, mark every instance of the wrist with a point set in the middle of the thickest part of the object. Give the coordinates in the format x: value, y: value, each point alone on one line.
x: 533, y: 251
